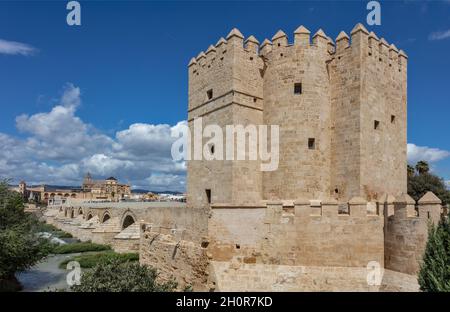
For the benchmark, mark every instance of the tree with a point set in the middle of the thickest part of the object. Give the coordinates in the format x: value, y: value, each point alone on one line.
x: 434, y: 274
x: 113, y: 276
x: 422, y: 167
x: 419, y: 184
x: 20, y: 246
x: 411, y: 171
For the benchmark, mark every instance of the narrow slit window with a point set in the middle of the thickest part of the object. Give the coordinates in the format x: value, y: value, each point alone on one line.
x: 208, y: 195
x: 211, y: 149
x: 376, y: 124
x: 392, y: 118
x: 209, y: 93
x: 298, y: 88
x: 311, y: 143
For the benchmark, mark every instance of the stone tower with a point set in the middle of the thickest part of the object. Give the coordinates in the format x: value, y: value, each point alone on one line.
x: 341, y: 109
x: 226, y: 88
x: 368, y: 101
x: 22, y: 187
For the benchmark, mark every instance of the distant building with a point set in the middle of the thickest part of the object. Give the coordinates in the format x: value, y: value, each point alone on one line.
x: 108, y: 190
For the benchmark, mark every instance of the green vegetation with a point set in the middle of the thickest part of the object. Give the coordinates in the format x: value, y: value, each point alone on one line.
x: 21, y: 247
x: 114, y: 276
x: 434, y: 274
x: 88, y: 261
x: 79, y: 247
x: 45, y: 227
x: 420, y: 181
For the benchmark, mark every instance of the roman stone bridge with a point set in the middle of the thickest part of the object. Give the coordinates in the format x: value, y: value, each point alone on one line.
x: 116, y: 224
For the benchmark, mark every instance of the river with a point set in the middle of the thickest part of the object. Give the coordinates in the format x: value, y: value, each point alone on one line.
x: 46, y: 275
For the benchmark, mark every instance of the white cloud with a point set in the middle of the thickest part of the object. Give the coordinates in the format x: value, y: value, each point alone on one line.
x: 429, y: 154
x: 142, y: 139
x: 103, y: 165
x: 16, y: 48
x: 60, y: 134
x: 164, y: 182
x: 59, y: 148
x: 439, y: 35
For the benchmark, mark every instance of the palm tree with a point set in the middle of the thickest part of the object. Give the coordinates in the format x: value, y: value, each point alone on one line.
x: 422, y: 167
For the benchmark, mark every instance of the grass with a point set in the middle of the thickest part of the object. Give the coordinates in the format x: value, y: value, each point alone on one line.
x: 79, y: 247
x: 88, y: 261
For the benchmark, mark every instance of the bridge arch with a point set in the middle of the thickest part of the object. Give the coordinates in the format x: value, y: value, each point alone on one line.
x: 128, y: 219
x: 72, y: 213
x: 80, y: 211
x: 90, y: 215
x: 106, y: 216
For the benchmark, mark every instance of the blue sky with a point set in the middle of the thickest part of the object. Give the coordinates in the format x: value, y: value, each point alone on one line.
x: 104, y: 96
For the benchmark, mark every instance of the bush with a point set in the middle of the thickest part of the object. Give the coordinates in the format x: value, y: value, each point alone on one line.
x: 79, y: 247
x: 89, y: 261
x: 21, y: 247
x: 434, y: 274
x: 114, y: 276
x: 49, y: 228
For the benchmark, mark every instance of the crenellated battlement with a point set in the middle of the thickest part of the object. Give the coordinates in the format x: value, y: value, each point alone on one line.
x: 235, y: 53
x: 225, y: 49
x: 308, y: 210
x: 359, y: 39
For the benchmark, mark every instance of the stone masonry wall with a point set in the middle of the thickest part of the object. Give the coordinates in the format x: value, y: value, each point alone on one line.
x: 308, y: 234
x: 231, y: 276
x: 176, y: 247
